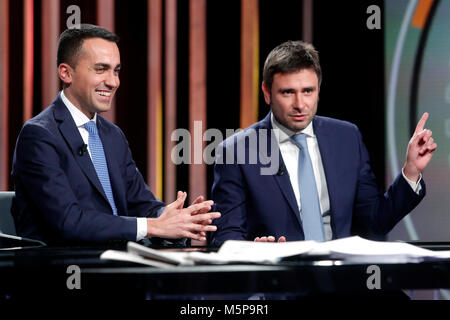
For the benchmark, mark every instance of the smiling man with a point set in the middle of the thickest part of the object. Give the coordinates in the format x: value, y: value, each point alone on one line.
x: 325, y: 188
x: 75, y: 179
x: 96, y: 75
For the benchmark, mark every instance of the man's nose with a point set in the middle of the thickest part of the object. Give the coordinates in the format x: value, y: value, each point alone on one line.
x: 299, y: 102
x: 112, y: 80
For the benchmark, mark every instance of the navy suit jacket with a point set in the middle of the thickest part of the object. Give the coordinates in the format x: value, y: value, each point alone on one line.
x: 254, y: 205
x: 59, y: 198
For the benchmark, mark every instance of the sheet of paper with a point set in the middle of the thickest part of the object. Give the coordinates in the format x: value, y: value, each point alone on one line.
x: 130, y: 257
x: 359, y: 246
x: 258, y: 252
x: 173, y: 257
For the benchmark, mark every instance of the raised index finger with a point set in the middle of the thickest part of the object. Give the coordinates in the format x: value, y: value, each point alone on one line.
x: 421, y: 123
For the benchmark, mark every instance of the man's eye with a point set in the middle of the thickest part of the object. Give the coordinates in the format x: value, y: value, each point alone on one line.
x: 99, y: 70
x: 286, y: 92
x: 117, y: 71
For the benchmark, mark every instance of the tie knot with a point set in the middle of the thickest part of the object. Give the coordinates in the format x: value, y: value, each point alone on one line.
x: 91, y: 127
x: 300, y: 140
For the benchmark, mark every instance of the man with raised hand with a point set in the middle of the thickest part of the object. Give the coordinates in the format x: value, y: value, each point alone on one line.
x: 324, y: 188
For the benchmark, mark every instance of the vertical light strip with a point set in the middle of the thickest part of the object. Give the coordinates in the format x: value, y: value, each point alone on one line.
x: 28, y: 35
x: 154, y: 98
x: 170, y: 105
x: 249, y: 62
x: 50, y: 34
x: 4, y: 98
x: 105, y: 19
x: 197, y: 96
x: 307, y: 25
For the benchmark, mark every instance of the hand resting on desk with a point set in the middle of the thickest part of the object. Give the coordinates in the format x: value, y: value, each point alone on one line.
x: 270, y: 239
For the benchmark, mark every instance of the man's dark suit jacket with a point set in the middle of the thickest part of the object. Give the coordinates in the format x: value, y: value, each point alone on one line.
x: 59, y: 198
x: 254, y: 205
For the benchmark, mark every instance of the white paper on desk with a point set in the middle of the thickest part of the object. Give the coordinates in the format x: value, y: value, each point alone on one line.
x: 237, y: 251
x: 351, y: 249
x: 356, y: 249
x: 130, y: 257
x: 174, y: 257
x: 140, y: 254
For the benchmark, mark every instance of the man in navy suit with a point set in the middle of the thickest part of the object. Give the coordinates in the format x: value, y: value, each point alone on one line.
x: 343, y: 193
x: 75, y: 179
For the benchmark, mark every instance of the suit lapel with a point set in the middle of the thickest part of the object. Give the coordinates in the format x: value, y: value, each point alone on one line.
x: 327, y: 147
x: 73, y: 138
x: 285, y: 185
x: 282, y: 177
x: 109, y: 145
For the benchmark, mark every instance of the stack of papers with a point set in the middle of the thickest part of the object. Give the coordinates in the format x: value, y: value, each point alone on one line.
x: 352, y: 250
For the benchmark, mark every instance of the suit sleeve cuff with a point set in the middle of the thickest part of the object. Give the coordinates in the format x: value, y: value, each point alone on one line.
x: 160, y: 211
x: 414, y: 185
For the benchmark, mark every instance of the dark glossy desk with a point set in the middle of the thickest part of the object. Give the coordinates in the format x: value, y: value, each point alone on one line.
x: 42, y: 272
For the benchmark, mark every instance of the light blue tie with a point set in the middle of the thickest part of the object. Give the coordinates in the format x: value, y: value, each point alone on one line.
x: 311, y: 216
x: 99, y: 160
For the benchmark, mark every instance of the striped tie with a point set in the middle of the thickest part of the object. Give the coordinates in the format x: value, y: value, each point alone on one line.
x: 99, y: 160
x: 311, y: 216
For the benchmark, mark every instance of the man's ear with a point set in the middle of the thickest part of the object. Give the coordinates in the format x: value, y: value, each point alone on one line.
x: 266, y: 92
x: 65, y: 73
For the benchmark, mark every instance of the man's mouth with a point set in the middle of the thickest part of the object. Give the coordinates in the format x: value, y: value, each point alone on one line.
x: 105, y: 95
x: 299, y: 117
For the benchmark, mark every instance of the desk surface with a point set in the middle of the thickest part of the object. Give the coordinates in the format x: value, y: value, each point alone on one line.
x: 44, y: 271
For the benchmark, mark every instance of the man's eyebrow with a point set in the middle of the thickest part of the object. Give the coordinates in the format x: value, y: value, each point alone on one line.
x: 106, y: 65
x: 286, y: 89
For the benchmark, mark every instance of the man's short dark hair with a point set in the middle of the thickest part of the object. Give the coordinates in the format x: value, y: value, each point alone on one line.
x: 71, y: 42
x: 291, y: 56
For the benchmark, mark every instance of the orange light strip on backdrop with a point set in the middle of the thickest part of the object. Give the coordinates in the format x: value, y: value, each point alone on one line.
x: 28, y: 43
x: 170, y: 103
x: 421, y: 13
x: 249, y: 62
x: 197, y: 96
x: 105, y: 19
x: 4, y: 94
x: 154, y: 98
x: 50, y: 34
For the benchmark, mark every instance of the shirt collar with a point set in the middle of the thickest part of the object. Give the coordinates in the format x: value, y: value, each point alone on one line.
x: 283, y: 134
x: 79, y: 117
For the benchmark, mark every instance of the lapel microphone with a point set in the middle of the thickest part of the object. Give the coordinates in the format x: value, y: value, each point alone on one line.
x: 281, y: 170
x: 83, y: 149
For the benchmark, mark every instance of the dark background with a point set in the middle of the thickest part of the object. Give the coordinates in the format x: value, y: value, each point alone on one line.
x: 352, y: 59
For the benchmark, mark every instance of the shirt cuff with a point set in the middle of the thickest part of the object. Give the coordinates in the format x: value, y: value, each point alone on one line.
x: 141, y: 232
x: 141, y: 228
x: 416, y: 186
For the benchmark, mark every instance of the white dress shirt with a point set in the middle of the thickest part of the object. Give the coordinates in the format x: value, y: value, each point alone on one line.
x: 290, y: 151
x: 80, y: 120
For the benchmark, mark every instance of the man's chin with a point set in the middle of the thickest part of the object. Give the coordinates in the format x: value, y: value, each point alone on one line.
x: 299, y: 126
x: 103, y: 108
